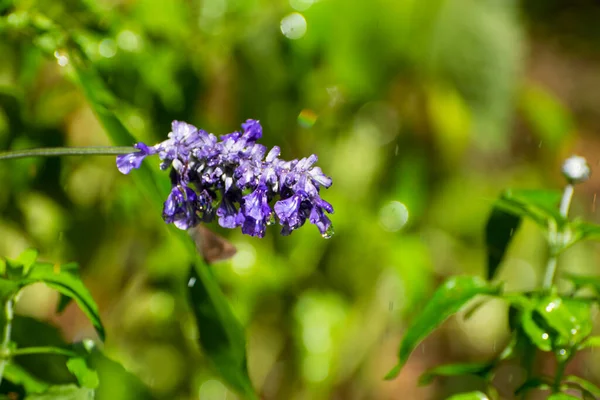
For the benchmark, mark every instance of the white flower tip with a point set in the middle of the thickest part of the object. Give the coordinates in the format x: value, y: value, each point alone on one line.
x: 576, y: 169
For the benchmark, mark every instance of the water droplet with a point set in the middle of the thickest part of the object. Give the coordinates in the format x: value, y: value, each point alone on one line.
x: 192, y: 282
x: 551, y: 306
x: 573, y: 331
x: 328, y: 233
x: 545, y: 336
x: 88, y: 344
x: 293, y: 26
x: 61, y: 58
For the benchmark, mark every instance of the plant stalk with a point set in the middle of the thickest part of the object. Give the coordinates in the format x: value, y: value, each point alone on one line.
x: 43, y: 350
x: 4, y: 346
x: 67, y: 151
x: 555, y: 237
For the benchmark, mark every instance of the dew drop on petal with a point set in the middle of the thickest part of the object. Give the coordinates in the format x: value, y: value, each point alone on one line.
x: 328, y: 233
x: 293, y: 26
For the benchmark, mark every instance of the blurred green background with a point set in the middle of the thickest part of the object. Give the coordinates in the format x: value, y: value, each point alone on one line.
x: 421, y: 111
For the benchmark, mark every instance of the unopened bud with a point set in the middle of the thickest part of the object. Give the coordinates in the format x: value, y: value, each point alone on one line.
x: 576, y: 169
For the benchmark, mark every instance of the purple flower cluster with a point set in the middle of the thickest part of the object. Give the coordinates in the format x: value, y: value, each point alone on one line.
x: 235, y: 180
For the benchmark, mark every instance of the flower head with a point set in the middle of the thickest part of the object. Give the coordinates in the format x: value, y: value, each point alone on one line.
x: 576, y: 169
x: 236, y: 180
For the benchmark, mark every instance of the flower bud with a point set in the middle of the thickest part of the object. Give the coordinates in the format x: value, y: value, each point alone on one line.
x: 576, y: 169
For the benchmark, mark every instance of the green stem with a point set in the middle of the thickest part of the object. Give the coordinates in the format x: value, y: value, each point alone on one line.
x: 67, y: 151
x: 43, y: 350
x: 4, y: 346
x: 560, y: 370
x: 556, y: 239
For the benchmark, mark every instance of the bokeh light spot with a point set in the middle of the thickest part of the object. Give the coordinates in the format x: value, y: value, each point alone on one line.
x: 393, y: 216
x: 128, y: 40
x: 307, y: 118
x: 301, y: 5
x: 107, y: 48
x: 212, y: 389
x: 61, y: 58
x: 316, y: 367
x: 293, y: 26
x: 244, y: 259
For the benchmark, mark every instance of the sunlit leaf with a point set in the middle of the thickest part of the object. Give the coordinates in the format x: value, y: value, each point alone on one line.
x: 585, y: 280
x: 592, y: 341
x: 499, y: 231
x: 571, y: 319
x: 447, y: 300
x: 541, y: 206
x: 63, y: 392
x: 469, y: 396
x: 86, y: 377
x: 585, y: 230
x: 69, y: 285
x: 27, y: 258
x: 221, y: 334
x: 538, y: 335
x: 478, y: 369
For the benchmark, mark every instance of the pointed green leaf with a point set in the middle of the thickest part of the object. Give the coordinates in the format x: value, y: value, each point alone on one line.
x: 86, y: 377
x: 19, y: 376
x: 592, y: 341
x: 540, y: 336
x: 447, y: 300
x: 499, y: 231
x: 63, y: 392
x: 541, y: 206
x: 469, y: 396
x: 221, y: 334
x: 8, y: 288
x: 478, y: 369
x: 27, y: 258
x: 570, y: 318
x: 69, y: 285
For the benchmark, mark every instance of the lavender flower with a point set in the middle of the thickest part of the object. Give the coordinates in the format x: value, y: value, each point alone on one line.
x: 231, y: 179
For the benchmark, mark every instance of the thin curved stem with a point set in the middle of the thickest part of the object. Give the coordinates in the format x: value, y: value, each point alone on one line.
x: 4, y: 346
x: 43, y: 350
x: 68, y: 151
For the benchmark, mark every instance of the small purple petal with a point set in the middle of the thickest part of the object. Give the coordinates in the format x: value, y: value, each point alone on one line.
x: 127, y: 162
x: 180, y: 208
x: 252, y: 130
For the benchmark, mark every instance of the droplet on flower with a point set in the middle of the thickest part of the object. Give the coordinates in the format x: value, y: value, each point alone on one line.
x: 293, y: 26
x: 328, y: 233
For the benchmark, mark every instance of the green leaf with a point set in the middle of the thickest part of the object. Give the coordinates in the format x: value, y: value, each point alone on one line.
x: 588, y: 389
x: 562, y: 396
x: 27, y: 258
x: 477, y: 369
x: 585, y: 230
x: 469, y: 396
x: 60, y: 279
x: 8, y: 288
x: 19, y: 376
x: 86, y: 377
x: 499, y: 231
x: 592, y: 341
x: 541, y: 206
x: 553, y: 323
x: 221, y: 334
x: 570, y: 318
x: 447, y: 300
x: 63, y: 392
